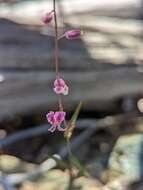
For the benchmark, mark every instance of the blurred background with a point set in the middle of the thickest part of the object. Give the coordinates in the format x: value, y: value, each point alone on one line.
x: 103, y: 69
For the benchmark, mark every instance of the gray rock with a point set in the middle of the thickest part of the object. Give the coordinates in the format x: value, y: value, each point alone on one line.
x: 127, y: 157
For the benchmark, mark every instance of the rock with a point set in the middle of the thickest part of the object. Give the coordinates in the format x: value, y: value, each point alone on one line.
x: 58, y: 180
x: 10, y: 164
x: 127, y: 157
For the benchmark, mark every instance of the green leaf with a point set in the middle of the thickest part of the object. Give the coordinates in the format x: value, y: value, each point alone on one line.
x: 76, y: 113
x: 71, y: 125
x: 77, y: 164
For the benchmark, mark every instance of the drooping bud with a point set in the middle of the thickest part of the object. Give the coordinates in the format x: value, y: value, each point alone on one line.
x: 73, y: 34
x: 47, y: 18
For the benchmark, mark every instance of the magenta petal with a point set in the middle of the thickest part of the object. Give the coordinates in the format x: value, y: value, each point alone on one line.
x: 58, y: 90
x: 50, y: 117
x: 60, y: 117
x: 59, y: 82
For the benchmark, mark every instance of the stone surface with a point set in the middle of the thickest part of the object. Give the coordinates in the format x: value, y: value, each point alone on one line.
x: 127, y: 157
x: 9, y: 164
x: 54, y: 179
x: 58, y: 180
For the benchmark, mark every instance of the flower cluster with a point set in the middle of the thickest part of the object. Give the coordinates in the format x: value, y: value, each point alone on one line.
x: 60, y: 87
x: 56, y: 119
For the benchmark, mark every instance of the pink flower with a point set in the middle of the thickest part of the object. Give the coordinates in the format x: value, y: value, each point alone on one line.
x: 73, y: 34
x: 56, y: 119
x: 60, y: 87
x: 47, y: 18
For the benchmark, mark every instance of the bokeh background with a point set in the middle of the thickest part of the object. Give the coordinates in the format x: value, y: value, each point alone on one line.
x: 103, y: 69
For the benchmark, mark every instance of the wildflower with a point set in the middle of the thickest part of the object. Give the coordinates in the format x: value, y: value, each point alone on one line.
x: 56, y: 119
x: 47, y: 18
x: 60, y: 87
x: 73, y: 34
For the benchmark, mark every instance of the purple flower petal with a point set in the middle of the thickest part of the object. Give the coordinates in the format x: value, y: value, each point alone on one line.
x: 60, y: 116
x: 58, y: 90
x: 59, y: 82
x: 50, y: 117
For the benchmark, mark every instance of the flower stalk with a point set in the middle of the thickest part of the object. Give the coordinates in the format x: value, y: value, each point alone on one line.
x: 56, y: 53
x: 71, y: 177
x: 60, y: 86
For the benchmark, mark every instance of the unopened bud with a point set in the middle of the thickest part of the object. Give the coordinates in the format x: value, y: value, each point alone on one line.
x: 73, y: 34
x: 47, y: 18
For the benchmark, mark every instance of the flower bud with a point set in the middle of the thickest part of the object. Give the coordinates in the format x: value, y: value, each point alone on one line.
x: 47, y: 18
x: 60, y: 87
x: 73, y: 34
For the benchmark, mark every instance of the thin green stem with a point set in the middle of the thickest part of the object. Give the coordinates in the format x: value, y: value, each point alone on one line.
x: 71, y: 178
x: 69, y: 148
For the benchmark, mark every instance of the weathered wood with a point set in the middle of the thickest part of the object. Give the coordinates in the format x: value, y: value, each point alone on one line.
x: 26, y: 92
x: 88, y: 64
x: 21, y: 48
x: 103, y: 46
x: 122, y: 8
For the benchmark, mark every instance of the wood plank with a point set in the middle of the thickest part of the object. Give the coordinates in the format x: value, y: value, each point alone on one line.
x: 122, y: 8
x: 29, y: 92
x: 103, y: 47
